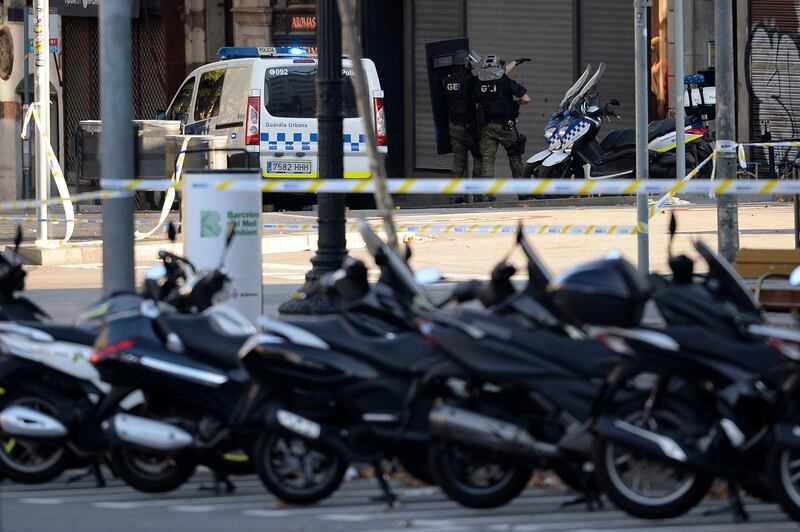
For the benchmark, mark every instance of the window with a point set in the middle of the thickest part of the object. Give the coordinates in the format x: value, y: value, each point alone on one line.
x: 209, y: 93
x: 291, y: 92
x: 182, y: 101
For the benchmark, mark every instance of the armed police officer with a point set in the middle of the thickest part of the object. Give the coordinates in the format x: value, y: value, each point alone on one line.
x: 459, y: 86
x: 498, y: 98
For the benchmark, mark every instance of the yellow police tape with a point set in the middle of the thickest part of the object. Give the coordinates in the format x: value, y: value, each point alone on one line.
x: 481, y: 229
x: 58, y: 176
x: 578, y: 187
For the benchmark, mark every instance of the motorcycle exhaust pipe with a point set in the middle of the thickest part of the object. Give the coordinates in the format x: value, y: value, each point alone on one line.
x: 146, y: 433
x: 484, y: 431
x: 24, y: 422
x: 640, y: 439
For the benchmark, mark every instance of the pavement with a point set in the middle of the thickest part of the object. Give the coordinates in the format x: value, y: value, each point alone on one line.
x: 83, y: 507
x: 64, y: 290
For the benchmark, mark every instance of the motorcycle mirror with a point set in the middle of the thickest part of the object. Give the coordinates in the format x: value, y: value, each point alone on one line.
x: 17, y: 239
x: 428, y: 275
x: 794, y: 278
x: 229, y: 234
x: 614, y: 102
x: 673, y: 228
x: 155, y: 272
x: 172, y: 232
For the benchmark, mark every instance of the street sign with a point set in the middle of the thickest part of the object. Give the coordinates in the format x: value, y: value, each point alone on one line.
x: 53, y: 26
x: 86, y: 8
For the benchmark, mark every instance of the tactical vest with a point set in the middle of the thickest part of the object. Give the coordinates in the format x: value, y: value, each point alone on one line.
x: 459, y: 98
x: 496, y: 100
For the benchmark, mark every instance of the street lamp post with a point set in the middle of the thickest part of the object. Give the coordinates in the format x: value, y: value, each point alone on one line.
x: 331, y: 248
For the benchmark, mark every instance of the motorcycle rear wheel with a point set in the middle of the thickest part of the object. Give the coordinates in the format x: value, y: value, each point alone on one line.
x: 31, y: 462
x: 152, y: 473
x: 471, y: 480
x: 631, y: 495
x: 297, y: 470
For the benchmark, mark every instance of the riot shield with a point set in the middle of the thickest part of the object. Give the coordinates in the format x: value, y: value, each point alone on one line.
x: 440, y: 60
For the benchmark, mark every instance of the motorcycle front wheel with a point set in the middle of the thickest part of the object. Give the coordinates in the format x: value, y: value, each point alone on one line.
x: 783, y: 470
x: 472, y: 478
x: 297, y: 470
x: 639, y: 485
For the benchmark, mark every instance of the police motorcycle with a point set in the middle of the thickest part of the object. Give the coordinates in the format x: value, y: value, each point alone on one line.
x: 181, y: 353
x: 584, y: 157
x: 48, y: 387
x: 737, y: 398
x: 554, y: 147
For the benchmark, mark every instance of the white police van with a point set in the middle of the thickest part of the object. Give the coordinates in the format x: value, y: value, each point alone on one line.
x: 264, y: 100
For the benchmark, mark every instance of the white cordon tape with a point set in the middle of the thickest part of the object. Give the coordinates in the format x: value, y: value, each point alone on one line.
x: 59, y: 221
x: 577, y: 187
x: 58, y: 177
x: 169, y: 197
x: 479, y: 229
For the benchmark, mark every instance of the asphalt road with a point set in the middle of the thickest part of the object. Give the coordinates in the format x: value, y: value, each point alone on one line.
x: 82, y: 507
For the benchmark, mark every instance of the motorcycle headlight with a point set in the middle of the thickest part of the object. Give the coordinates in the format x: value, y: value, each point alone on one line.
x: 562, y: 131
x: 549, y: 132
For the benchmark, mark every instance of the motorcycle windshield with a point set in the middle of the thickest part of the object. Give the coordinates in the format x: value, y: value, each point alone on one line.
x: 570, y: 94
x: 588, y: 87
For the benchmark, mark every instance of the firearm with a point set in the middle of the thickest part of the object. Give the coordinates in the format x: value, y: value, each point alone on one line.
x: 515, y: 63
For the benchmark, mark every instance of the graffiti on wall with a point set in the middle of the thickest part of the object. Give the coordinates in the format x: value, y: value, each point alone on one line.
x: 773, y: 71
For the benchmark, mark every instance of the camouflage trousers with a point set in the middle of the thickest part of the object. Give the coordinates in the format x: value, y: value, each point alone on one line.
x: 492, y: 136
x: 463, y: 141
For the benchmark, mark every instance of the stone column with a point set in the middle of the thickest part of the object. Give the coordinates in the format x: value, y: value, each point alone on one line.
x: 252, y: 22
x: 195, y: 11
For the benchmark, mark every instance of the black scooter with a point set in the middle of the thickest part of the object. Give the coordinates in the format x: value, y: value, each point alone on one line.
x: 197, y: 396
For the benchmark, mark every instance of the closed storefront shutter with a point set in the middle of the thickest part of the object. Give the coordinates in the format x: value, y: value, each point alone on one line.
x: 773, y: 68
x: 542, y: 31
x: 434, y: 20
x: 607, y: 35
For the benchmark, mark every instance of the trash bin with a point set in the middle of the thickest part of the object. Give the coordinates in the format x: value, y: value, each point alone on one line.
x: 149, y: 153
x: 205, y: 214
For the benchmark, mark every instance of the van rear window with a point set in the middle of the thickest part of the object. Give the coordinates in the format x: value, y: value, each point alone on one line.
x: 291, y: 92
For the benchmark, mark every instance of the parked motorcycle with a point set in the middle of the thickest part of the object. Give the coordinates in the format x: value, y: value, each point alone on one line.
x: 578, y: 154
x: 197, y: 396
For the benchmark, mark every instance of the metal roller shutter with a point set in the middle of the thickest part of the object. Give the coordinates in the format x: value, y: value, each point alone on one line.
x: 607, y: 36
x: 773, y: 67
x: 434, y: 20
x: 537, y: 29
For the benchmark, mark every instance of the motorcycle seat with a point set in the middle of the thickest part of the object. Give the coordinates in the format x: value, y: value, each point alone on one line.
x: 203, y: 341
x: 626, y: 138
x: 402, y: 352
x: 62, y: 333
x: 753, y: 356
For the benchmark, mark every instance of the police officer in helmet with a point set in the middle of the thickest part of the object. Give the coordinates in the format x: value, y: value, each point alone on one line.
x: 459, y: 86
x: 498, y: 98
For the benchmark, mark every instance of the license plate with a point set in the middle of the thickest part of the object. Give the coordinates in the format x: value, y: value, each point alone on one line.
x: 289, y: 167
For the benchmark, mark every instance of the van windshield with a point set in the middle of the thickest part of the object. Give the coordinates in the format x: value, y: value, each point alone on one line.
x: 291, y: 92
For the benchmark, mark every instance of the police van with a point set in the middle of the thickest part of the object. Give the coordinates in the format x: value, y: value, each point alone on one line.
x: 264, y: 101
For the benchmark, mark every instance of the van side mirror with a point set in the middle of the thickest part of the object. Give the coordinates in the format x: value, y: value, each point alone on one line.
x: 160, y: 114
x: 183, y: 117
x: 171, y: 232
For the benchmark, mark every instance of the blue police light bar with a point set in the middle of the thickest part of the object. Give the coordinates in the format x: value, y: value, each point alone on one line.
x: 236, y: 52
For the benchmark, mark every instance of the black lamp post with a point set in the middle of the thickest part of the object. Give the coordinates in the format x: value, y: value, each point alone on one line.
x: 331, y: 248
